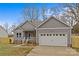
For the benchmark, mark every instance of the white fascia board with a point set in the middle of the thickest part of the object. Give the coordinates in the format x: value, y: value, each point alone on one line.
x: 54, y: 28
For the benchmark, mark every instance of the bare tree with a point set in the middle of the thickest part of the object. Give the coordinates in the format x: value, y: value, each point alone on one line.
x: 43, y: 11
x: 34, y: 13
x: 11, y: 28
x: 6, y: 27
x: 69, y: 17
x: 77, y: 9
x: 70, y: 14
x: 31, y: 13
x: 74, y: 10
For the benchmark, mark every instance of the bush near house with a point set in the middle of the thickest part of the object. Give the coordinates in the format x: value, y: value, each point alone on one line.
x: 6, y: 40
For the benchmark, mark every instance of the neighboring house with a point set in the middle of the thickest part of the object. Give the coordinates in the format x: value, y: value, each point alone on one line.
x: 3, y: 33
x: 51, y: 32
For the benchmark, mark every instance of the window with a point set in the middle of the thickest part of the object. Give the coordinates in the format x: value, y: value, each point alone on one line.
x: 41, y: 34
x: 29, y: 36
x: 19, y: 34
x: 60, y: 34
x: 56, y: 34
x: 63, y: 34
x: 44, y: 34
x: 53, y: 34
x: 50, y: 34
x: 47, y: 34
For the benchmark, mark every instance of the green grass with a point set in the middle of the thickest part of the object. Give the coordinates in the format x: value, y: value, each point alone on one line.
x: 14, y: 50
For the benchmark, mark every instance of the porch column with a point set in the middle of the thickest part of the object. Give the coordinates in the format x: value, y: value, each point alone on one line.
x: 23, y: 37
x: 37, y: 36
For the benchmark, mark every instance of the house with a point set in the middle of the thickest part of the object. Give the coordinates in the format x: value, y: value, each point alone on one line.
x: 51, y: 32
x: 3, y: 33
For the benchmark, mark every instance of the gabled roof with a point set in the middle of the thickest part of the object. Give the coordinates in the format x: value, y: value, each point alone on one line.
x: 35, y: 23
x: 53, y: 18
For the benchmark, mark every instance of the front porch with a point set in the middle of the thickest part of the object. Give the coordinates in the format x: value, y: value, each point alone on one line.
x: 28, y: 37
x: 29, y: 34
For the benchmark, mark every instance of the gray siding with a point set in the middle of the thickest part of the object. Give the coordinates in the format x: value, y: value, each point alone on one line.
x: 26, y: 27
x: 18, y: 31
x: 52, y: 23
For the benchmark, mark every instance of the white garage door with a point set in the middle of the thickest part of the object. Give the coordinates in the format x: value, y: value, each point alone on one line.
x: 53, y: 39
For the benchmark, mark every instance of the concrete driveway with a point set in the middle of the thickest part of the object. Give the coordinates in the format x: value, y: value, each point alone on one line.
x: 52, y: 51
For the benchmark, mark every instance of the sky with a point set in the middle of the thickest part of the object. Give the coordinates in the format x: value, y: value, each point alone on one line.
x: 12, y: 13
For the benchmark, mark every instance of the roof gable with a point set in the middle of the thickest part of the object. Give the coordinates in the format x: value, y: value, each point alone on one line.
x: 28, y: 26
x: 25, y: 26
x: 52, y: 22
x: 32, y: 24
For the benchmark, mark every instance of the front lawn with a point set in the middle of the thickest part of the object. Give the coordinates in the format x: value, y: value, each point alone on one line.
x: 14, y: 50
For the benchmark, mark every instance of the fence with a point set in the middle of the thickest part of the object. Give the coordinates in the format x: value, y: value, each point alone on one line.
x: 4, y: 40
x: 75, y: 41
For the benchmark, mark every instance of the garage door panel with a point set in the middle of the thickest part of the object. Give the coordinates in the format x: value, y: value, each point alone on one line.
x: 53, y: 40
x: 59, y: 40
x: 43, y: 40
